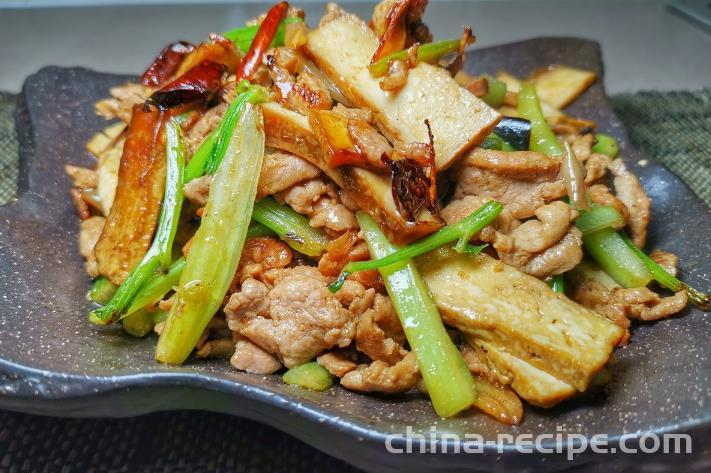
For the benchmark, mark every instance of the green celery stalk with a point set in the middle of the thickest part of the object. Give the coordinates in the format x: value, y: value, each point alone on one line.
x: 244, y: 36
x: 225, y: 132
x: 173, y: 198
x: 160, y: 316
x: 160, y: 284
x: 462, y: 230
x: 197, y: 164
x: 616, y: 258
x: 217, y: 244
x: 543, y: 139
x: 256, y: 229
x: 605, y: 144
x: 102, y: 290
x: 428, y: 52
x: 157, y: 287
x: 310, y: 376
x: 206, y: 158
x: 597, y: 218
x: 668, y: 280
x: 291, y: 227
x: 506, y: 146
x: 497, y: 91
x: 557, y: 283
x: 159, y: 252
x: 139, y: 324
x: 446, y: 375
x: 492, y: 141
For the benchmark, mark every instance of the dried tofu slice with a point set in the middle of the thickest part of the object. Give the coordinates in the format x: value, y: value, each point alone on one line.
x: 291, y: 131
x: 108, y: 169
x: 513, y: 84
x: 500, y: 305
x: 535, y: 386
x: 343, y: 47
x: 560, y: 85
x: 104, y: 139
x: 132, y: 220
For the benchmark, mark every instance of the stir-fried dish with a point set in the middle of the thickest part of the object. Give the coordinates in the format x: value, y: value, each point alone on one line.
x: 341, y: 202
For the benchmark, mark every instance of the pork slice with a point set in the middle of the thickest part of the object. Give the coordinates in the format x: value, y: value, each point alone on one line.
x: 89, y: 233
x: 521, y: 195
x: 295, y: 320
x: 252, y: 359
x: 123, y: 98
x: 319, y: 200
x: 282, y: 170
x: 644, y: 304
x: 524, y: 165
x: 381, y: 377
x: 630, y: 191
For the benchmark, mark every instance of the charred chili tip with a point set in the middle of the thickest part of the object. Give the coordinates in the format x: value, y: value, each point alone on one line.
x: 166, y: 63
x: 199, y: 84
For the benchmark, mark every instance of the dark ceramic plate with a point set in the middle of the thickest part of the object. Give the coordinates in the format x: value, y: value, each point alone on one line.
x: 52, y: 361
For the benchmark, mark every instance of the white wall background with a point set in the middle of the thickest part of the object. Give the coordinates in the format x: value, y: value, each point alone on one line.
x: 644, y: 45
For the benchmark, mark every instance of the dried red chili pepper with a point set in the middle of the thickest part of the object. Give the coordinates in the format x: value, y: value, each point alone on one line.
x: 199, y: 84
x: 219, y: 49
x: 166, y: 63
x: 262, y: 40
x: 414, y: 178
x: 403, y: 28
x: 395, y: 35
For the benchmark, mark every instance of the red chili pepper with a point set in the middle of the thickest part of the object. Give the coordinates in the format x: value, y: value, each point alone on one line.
x: 166, y: 63
x: 201, y: 83
x: 262, y: 40
x: 394, y: 37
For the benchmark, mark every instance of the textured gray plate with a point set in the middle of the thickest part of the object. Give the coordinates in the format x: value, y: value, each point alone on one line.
x: 53, y: 361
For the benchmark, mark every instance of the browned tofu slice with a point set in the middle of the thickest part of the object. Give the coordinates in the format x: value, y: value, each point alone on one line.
x: 133, y: 217
x: 291, y: 131
x: 535, y: 386
x: 499, y: 305
x: 561, y: 85
x: 343, y: 47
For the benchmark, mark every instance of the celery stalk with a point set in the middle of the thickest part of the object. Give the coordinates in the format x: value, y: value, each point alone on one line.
x: 173, y: 199
x: 197, y: 164
x: 446, y: 375
x: 605, y: 144
x: 462, y: 231
x: 428, y: 52
x: 671, y: 282
x: 597, y: 218
x: 291, y: 227
x: 616, y: 258
x: 139, y: 324
x: 157, y: 287
x: 310, y: 376
x: 543, y: 139
x: 217, y: 244
x: 102, y: 290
